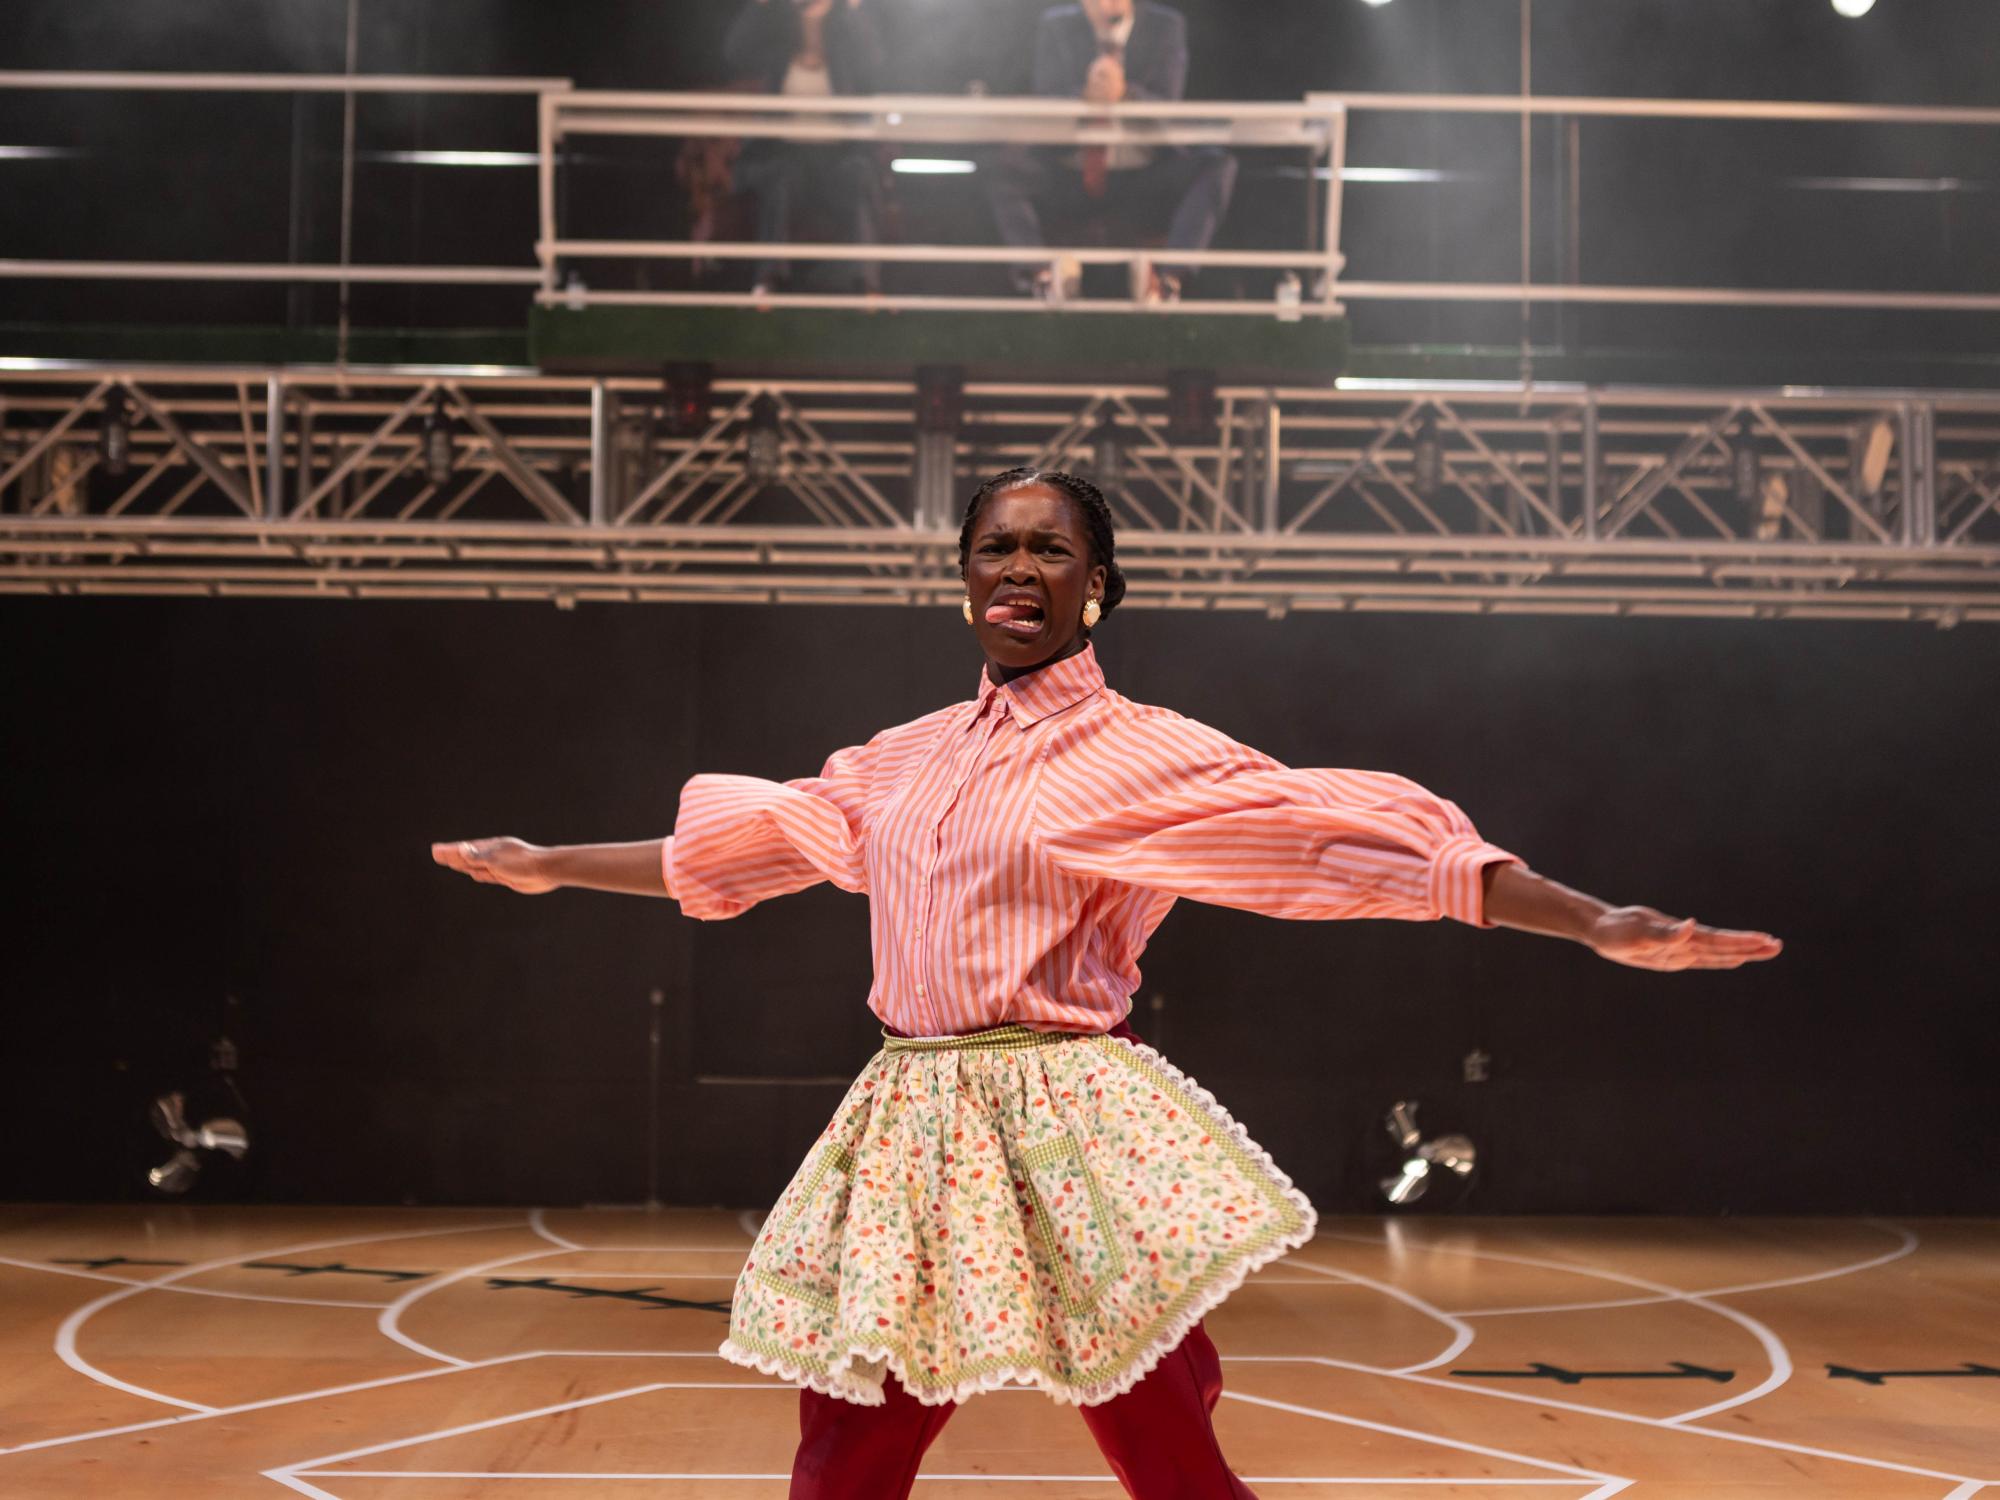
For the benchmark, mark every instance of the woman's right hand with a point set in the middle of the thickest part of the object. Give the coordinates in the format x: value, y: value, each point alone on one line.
x: 503, y: 861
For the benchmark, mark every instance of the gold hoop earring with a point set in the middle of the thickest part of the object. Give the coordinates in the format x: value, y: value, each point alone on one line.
x: 968, y: 609
x: 1092, y: 613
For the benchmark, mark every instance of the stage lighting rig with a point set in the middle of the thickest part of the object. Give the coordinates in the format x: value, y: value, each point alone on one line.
x: 440, y: 445
x: 1107, y: 452
x: 763, y: 442
x: 689, y: 389
x: 1449, y: 1153
x: 1191, y: 407
x: 177, y: 1174
x: 1745, y: 468
x: 114, y: 437
x: 1427, y: 459
x: 1873, y: 448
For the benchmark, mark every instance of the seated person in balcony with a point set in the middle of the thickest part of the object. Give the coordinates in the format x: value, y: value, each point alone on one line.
x: 1109, y: 51
x: 807, y: 49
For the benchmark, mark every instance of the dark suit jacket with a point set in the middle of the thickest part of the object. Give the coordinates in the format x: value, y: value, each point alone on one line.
x: 765, y: 35
x: 1156, y: 56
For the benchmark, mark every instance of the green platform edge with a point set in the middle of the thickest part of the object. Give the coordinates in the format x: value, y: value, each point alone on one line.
x: 1057, y: 348
x: 1063, y: 346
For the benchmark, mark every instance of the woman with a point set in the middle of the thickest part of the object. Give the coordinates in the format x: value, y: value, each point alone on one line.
x: 1015, y: 1189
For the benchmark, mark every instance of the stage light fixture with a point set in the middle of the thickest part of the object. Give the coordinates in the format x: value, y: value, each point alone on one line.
x: 1745, y: 468
x: 178, y: 1173
x: 690, y: 398
x: 114, y: 437
x: 1877, y: 444
x: 1191, y: 407
x: 440, y: 448
x: 1774, y: 497
x: 1854, y: 10
x: 1107, y: 452
x: 940, y: 398
x: 1427, y: 459
x: 1450, y: 1153
x: 764, y: 442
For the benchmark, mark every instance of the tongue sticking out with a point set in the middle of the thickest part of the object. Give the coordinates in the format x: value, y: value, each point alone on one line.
x: 1013, y: 614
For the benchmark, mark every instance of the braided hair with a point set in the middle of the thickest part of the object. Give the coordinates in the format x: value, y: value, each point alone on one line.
x: 1089, y: 501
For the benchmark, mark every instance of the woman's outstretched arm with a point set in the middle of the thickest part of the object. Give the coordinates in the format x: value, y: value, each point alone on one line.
x: 1637, y: 935
x: 637, y: 869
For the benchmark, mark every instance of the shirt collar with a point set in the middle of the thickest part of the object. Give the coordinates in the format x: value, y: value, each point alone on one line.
x: 1035, y: 695
x: 1120, y: 35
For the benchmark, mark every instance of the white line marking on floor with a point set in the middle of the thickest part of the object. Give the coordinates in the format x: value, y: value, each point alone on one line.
x: 323, y: 1392
x: 1459, y: 1444
x: 1610, y: 1414
x: 538, y: 1221
x: 621, y: 1275
x: 315, y: 1465
x: 1775, y: 1352
x: 934, y: 1478
x: 190, y: 1291
x: 1461, y: 1332
x: 391, y: 1315
x: 65, y: 1344
x: 323, y: 1468
x: 1909, y: 1243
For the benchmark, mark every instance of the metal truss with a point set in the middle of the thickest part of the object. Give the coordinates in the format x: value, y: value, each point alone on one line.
x: 1365, y: 496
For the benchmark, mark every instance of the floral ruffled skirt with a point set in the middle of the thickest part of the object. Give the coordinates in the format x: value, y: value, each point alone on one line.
x: 1009, y: 1207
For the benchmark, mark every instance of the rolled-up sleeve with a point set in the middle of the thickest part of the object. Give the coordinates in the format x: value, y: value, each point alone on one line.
x: 739, y: 840
x: 1180, y: 808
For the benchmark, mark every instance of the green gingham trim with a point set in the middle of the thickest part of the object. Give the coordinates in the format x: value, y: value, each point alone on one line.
x: 999, y: 1039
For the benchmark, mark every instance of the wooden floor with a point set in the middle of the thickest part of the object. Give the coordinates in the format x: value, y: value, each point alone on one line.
x: 409, y: 1354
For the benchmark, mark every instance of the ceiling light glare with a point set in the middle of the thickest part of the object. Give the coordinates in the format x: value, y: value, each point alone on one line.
x: 1854, y: 10
x: 1378, y: 4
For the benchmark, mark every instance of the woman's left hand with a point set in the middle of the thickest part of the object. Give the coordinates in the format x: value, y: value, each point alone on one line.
x: 1647, y: 939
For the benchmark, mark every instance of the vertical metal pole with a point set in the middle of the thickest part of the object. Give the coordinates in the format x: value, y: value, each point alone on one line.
x: 1273, y: 438
x: 347, y: 180
x: 1592, y: 467
x: 657, y: 1000
x: 1906, y: 471
x: 274, y: 448
x: 602, y: 421
x: 545, y: 172
x: 1336, y: 188
x: 1573, y: 216
x: 1555, y: 463
x: 1225, y: 459
x: 1527, y: 184
x: 304, y: 464
x: 1920, y: 500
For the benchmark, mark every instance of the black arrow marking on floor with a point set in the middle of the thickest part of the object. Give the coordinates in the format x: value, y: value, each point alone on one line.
x: 1539, y: 1371
x: 644, y: 1295
x: 334, y: 1268
x: 111, y: 1260
x: 1876, y: 1377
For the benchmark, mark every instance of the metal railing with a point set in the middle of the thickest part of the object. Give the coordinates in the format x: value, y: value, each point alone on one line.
x: 1318, y: 126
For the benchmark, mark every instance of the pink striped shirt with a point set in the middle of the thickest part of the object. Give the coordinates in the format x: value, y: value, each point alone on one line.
x: 1019, y: 849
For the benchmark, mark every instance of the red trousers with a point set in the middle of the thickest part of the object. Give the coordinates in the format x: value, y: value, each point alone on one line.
x: 1157, y: 1437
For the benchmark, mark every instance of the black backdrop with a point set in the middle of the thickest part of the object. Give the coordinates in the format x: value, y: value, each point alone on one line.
x: 207, y: 800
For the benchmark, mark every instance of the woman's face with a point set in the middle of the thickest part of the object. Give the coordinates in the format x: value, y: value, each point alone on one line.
x: 1028, y: 573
